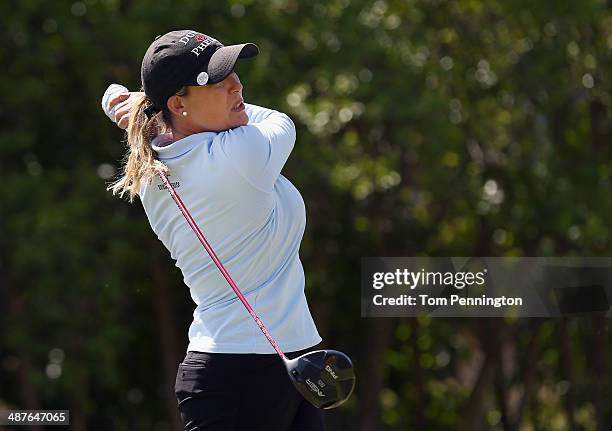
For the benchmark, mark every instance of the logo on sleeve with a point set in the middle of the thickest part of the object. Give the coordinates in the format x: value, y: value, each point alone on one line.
x: 174, y: 185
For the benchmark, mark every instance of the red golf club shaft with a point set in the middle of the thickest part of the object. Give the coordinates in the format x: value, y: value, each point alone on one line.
x: 215, y: 259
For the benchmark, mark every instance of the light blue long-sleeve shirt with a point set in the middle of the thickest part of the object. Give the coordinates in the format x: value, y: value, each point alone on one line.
x: 254, y: 219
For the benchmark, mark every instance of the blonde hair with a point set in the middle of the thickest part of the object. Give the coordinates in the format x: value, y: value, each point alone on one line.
x: 140, y: 162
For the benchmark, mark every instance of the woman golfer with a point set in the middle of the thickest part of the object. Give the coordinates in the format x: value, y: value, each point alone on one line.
x: 224, y: 158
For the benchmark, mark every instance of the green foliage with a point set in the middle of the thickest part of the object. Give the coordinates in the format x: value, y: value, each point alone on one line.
x: 425, y: 127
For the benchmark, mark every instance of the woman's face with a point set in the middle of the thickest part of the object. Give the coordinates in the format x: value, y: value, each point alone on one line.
x: 213, y: 107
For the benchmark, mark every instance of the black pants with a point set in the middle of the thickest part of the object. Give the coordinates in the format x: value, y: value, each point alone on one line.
x: 226, y: 392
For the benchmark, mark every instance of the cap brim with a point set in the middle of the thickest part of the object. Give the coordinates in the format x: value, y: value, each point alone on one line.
x: 224, y: 59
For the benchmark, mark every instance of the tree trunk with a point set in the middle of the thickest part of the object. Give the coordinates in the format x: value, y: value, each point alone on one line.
x: 600, y: 377
x: 29, y: 398
x: 474, y: 410
x: 419, y: 378
x: 501, y: 390
x: 567, y: 373
x: 164, y: 312
x: 529, y: 378
x: 375, y: 348
x: 473, y: 413
x: 27, y: 389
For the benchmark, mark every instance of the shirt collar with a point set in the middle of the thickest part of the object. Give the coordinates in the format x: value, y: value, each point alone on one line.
x: 167, y: 149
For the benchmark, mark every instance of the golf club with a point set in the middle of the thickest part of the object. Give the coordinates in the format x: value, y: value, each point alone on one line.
x: 324, y: 377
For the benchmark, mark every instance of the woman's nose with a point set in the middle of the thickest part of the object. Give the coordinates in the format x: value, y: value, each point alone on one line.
x: 235, y: 81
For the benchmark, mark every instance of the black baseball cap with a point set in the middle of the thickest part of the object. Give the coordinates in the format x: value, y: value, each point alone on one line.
x: 186, y: 57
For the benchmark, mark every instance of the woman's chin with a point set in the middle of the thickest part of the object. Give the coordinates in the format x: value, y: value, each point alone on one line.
x: 240, y: 119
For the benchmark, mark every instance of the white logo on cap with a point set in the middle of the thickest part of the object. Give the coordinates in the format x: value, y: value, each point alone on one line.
x: 202, y: 78
x: 201, y: 38
x: 187, y: 37
x: 201, y: 47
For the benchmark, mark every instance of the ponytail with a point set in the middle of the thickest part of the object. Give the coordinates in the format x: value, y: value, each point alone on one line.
x: 140, y: 162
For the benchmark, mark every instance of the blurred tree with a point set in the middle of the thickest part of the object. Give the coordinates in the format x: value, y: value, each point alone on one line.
x: 425, y: 127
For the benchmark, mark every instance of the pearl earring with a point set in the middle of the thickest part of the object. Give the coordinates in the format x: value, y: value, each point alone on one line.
x: 184, y: 114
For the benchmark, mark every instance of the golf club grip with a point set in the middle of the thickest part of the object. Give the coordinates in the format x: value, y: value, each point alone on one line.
x: 215, y: 259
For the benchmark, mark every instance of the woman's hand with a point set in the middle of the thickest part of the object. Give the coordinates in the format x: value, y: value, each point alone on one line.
x: 120, y: 109
x: 117, y: 102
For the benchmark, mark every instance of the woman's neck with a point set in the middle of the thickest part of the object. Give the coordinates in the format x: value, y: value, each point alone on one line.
x: 178, y: 136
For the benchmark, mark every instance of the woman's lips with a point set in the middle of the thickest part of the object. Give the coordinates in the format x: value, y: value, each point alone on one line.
x: 239, y: 107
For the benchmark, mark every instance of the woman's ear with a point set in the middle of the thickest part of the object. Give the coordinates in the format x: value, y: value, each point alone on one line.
x: 175, y: 105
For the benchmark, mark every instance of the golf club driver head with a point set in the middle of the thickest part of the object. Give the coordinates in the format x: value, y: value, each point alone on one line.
x: 324, y: 377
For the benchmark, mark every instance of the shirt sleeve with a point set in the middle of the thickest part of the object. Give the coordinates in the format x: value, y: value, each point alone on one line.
x: 259, y: 150
x: 257, y: 114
